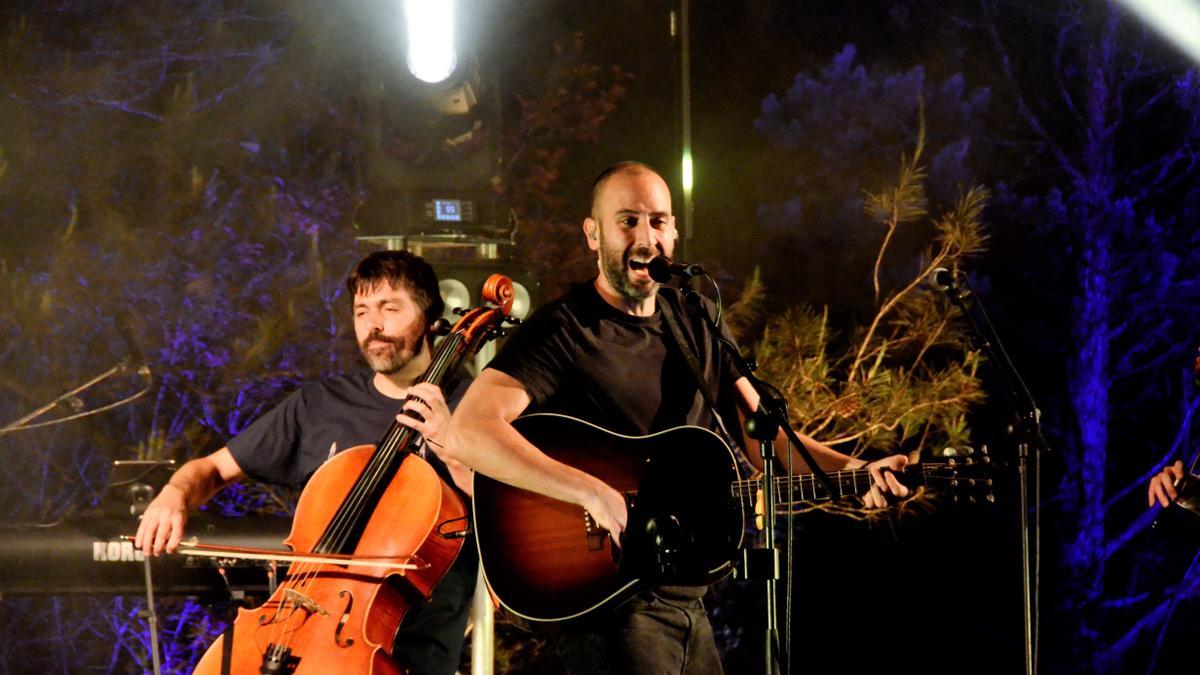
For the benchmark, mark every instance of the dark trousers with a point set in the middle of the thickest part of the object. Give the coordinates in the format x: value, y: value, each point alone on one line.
x: 651, y: 634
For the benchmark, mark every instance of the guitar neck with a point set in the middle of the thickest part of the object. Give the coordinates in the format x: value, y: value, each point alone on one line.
x: 806, y: 487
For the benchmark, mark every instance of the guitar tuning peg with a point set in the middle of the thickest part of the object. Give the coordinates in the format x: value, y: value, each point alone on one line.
x: 971, y: 499
x: 991, y: 498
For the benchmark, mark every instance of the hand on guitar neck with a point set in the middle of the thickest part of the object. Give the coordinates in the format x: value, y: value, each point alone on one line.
x: 1162, y: 485
x: 884, y: 481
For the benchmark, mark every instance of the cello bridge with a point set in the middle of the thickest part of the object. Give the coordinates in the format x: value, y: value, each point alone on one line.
x: 302, y: 601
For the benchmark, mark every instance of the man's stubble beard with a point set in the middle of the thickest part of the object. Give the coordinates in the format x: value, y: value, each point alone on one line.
x: 615, y: 267
x: 400, y: 351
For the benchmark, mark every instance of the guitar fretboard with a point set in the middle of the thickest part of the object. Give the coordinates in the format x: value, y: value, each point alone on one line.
x: 807, y: 488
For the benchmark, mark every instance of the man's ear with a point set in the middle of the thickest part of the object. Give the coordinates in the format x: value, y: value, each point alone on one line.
x: 591, y: 230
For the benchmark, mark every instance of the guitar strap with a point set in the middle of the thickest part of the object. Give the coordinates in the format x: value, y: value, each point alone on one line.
x: 670, y: 312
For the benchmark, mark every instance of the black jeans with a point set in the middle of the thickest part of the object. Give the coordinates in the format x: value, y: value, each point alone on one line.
x: 651, y: 634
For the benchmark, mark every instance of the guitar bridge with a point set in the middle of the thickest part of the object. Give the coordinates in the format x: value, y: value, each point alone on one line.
x: 595, y: 534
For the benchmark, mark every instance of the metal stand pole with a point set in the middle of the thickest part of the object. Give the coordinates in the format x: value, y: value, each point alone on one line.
x: 1026, y: 577
x: 152, y: 618
x: 763, y: 563
x: 483, y: 631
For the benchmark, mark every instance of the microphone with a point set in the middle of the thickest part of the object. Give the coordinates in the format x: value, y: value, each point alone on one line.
x: 661, y: 269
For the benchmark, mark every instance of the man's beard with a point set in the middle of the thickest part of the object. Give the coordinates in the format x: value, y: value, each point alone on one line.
x: 386, y: 354
x: 615, y: 266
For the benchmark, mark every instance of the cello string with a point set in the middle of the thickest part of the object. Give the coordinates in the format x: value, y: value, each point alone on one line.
x: 355, y: 506
x: 344, y: 518
x: 339, y: 529
x: 338, y: 532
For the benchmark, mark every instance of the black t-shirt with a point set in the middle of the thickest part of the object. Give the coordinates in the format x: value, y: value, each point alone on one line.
x: 581, y: 356
x: 289, y: 443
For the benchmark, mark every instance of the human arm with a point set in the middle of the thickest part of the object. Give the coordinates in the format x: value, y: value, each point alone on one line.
x: 883, y: 480
x: 161, y: 527
x: 481, y: 436
x: 1162, y: 485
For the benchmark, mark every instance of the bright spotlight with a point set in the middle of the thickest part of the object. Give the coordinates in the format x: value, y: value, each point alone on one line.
x: 1178, y: 20
x: 430, y: 24
x: 687, y: 171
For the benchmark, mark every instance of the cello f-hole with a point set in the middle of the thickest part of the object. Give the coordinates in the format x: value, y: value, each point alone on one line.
x: 337, y: 634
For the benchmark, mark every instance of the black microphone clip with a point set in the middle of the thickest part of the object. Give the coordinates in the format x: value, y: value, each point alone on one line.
x: 661, y: 269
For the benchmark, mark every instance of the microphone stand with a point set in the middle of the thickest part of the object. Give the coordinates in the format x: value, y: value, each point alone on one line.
x: 1027, y: 431
x: 123, y: 366
x: 762, y: 563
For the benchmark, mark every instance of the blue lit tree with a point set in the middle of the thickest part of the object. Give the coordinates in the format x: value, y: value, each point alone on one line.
x: 837, y: 134
x: 1115, y: 121
x: 193, y: 170
x: 145, y: 181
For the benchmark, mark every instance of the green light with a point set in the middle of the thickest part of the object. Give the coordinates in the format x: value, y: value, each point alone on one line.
x: 687, y: 171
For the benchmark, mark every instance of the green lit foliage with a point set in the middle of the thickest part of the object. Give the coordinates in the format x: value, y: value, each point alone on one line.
x: 903, y: 382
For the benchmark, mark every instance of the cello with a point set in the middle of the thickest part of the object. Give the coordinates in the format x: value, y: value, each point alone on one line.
x: 375, y: 530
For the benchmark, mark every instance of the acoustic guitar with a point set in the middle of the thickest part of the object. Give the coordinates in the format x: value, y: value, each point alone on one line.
x: 547, y: 561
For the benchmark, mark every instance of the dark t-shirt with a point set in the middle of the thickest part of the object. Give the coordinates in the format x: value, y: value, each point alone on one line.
x: 288, y: 444
x: 581, y: 356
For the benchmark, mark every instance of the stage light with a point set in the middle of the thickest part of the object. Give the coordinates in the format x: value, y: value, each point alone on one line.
x: 432, y: 57
x: 461, y: 284
x: 1178, y: 20
x: 455, y: 295
x: 522, y: 302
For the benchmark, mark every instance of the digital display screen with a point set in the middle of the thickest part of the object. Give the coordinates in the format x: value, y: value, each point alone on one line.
x: 448, y: 210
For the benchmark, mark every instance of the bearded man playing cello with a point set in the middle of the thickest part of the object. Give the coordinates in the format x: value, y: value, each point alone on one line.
x: 396, y: 301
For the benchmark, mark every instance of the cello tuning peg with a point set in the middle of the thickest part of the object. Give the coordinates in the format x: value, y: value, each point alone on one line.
x: 461, y: 311
x: 440, y: 327
x: 512, y: 320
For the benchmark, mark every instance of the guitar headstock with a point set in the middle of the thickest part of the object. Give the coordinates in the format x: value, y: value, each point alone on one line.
x: 964, y: 476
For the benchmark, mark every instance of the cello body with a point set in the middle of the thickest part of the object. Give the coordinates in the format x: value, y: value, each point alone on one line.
x: 332, y: 617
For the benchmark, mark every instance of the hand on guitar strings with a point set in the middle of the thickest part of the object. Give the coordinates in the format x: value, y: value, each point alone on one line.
x: 884, y: 482
x: 607, y: 508
x: 1162, y: 485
